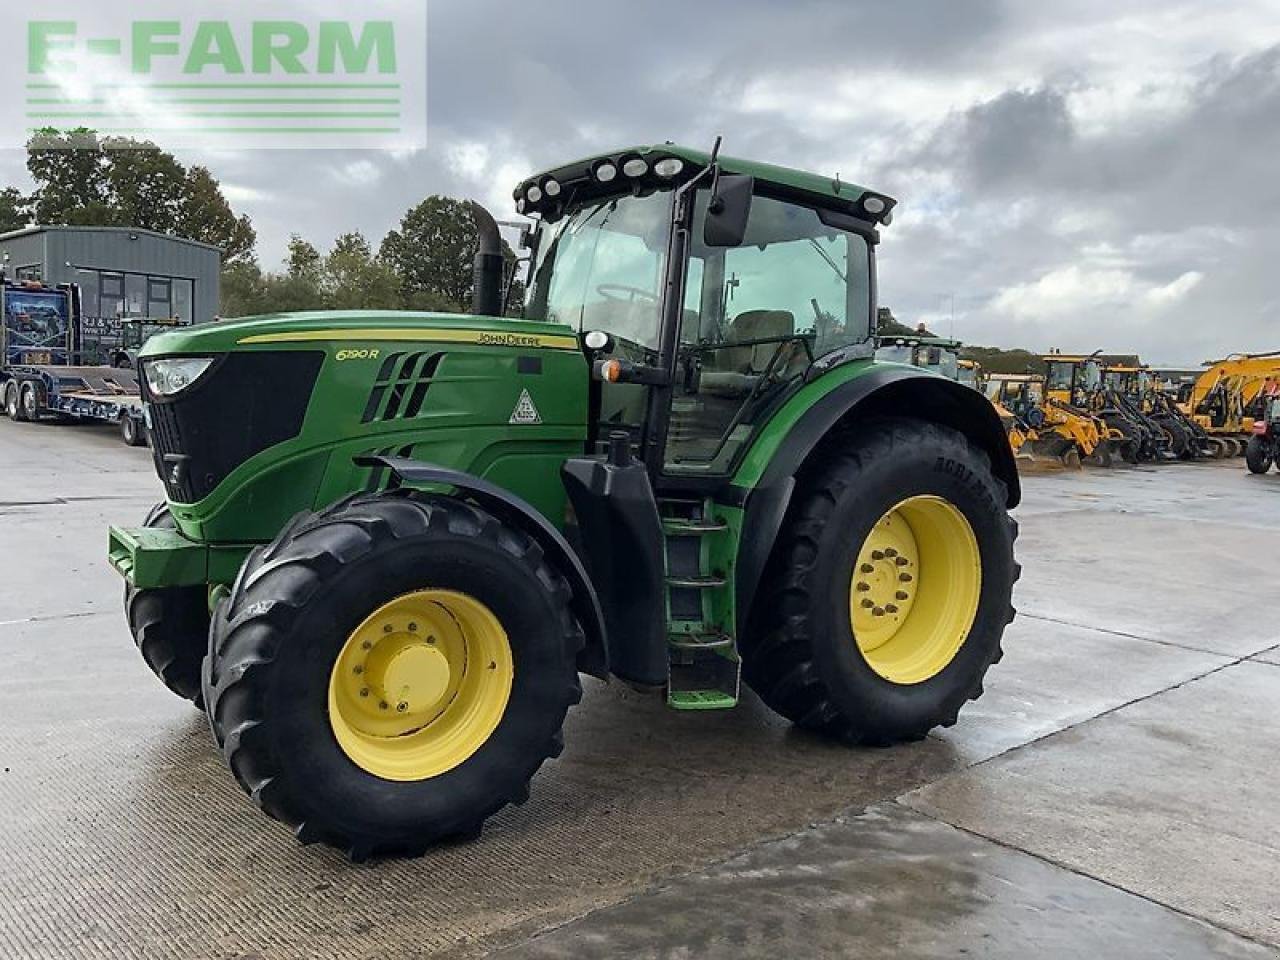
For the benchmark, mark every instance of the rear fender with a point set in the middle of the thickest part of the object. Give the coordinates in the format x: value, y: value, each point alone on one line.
x: 887, y: 391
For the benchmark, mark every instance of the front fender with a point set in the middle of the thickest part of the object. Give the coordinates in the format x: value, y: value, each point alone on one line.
x: 510, y: 509
x: 883, y: 390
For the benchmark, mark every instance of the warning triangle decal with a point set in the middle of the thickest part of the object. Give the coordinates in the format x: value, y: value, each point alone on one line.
x: 525, y: 411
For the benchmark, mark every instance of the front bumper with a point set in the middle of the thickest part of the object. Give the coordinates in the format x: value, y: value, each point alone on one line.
x: 154, y: 557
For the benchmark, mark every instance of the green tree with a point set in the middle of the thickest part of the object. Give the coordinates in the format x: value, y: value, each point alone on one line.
x: 15, y: 210
x: 207, y: 216
x: 354, y: 279
x: 433, y: 251
x: 83, y: 179
x: 71, y: 179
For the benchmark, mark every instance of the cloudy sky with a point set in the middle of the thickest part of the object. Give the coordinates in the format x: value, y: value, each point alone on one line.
x: 1081, y: 174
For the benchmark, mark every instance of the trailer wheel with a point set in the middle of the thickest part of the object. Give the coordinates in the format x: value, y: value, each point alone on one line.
x: 30, y: 401
x: 13, y: 401
x: 391, y: 671
x: 131, y: 431
x: 889, y: 590
x: 170, y: 626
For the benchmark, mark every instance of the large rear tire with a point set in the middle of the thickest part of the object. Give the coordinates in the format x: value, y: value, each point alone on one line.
x: 391, y: 671
x: 889, y: 590
x: 1258, y: 455
x: 170, y: 626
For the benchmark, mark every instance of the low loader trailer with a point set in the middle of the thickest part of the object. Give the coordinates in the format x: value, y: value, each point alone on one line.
x: 38, y: 379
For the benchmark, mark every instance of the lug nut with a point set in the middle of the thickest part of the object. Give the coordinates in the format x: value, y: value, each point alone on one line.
x: 877, y: 554
x: 901, y: 561
x: 863, y: 586
x: 386, y: 628
x: 890, y: 552
x: 891, y: 607
x: 357, y: 669
x: 878, y: 612
x: 431, y: 639
x: 413, y: 628
x: 383, y: 705
x: 402, y: 706
x: 867, y: 568
x: 905, y: 577
x: 367, y: 645
x: 364, y: 691
x: 902, y: 595
x: 868, y: 604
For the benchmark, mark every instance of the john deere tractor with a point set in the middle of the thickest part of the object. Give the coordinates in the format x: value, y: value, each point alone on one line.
x: 392, y: 542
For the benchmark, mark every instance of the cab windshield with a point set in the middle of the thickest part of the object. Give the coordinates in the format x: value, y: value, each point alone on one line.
x: 601, y: 268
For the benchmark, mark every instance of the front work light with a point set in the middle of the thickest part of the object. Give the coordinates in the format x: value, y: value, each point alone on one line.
x: 174, y: 374
x: 635, y: 167
x: 606, y: 172
x: 551, y: 188
x: 668, y: 167
x: 534, y: 194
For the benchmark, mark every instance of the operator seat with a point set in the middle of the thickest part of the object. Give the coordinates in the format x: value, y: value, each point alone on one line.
x: 754, y: 325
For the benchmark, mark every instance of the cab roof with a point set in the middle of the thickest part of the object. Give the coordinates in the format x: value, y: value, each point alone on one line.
x: 578, y: 180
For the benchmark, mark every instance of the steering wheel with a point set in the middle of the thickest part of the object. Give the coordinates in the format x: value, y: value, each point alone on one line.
x: 621, y: 293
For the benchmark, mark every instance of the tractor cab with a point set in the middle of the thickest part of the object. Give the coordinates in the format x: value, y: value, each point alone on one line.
x: 706, y: 299
x: 1072, y: 379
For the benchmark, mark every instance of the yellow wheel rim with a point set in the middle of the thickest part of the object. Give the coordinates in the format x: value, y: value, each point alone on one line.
x: 915, y: 589
x: 420, y: 685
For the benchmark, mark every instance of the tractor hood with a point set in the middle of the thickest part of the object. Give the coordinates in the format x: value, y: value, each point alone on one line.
x: 356, y: 330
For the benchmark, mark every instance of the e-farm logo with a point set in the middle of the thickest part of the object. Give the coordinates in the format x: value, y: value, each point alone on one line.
x: 194, y: 73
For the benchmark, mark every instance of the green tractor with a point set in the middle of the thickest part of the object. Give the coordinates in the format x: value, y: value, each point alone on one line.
x: 393, y: 542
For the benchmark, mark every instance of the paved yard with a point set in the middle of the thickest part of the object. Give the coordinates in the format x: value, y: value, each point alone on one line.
x: 1115, y: 794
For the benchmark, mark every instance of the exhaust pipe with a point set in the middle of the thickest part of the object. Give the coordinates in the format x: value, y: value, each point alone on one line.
x: 486, y: 289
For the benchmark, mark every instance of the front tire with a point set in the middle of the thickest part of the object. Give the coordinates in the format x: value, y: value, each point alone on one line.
x: 889, y: 590
x: 131, y: 431
x: 333, y: 712
x: 170, y: 626
x: 1258, y: 455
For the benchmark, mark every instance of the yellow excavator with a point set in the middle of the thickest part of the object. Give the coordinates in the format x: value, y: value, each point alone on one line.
x: 971, y: 374
x: 1073, y: 391
x: 1229, y: 395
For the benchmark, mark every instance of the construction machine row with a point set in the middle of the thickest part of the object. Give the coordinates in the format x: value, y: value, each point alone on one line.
x: 1096, y: 410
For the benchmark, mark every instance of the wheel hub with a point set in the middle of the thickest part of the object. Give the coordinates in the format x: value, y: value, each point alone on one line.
x: 420, y: 685
x: 914, y: 589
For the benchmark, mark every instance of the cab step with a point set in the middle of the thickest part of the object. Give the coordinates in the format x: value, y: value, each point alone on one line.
x: 682, y: 527
x: 700, y: 582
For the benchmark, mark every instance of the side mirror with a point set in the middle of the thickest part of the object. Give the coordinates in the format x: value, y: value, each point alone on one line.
x: 729, y: 210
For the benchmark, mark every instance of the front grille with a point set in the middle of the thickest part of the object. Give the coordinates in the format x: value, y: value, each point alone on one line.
x: 244, y: 404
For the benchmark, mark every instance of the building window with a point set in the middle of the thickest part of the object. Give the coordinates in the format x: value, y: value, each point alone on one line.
x: 159, y: 298
x: 112, y: 295
x: 135, y: 295
x: 32, y: 271
x: 182, y: 299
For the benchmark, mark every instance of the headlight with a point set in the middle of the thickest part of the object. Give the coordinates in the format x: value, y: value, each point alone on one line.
x: 167, y: 377
x: 635, y: 167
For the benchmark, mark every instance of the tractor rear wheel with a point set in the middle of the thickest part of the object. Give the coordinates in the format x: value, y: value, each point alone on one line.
x: 391, y: 671
x: 170, y: 626
x: 1258, y: 455
x: 889, y: 590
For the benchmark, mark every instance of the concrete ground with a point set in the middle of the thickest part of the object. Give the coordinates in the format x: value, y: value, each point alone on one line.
x: 1116, y: 793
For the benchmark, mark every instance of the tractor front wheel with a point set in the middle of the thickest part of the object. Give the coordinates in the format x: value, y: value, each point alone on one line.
x: 889, y: 590
x: 1258, y: 455
x: 391, y: 671
x: 13, y: 401
x: 170, y: 626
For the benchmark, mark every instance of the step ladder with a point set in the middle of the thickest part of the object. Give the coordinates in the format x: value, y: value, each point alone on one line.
x: 704, y: 670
